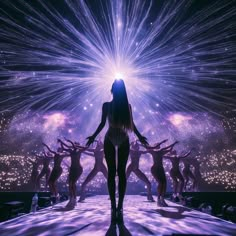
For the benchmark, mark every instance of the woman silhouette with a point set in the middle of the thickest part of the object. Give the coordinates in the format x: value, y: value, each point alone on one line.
x: 119, y: 115
x: 99, y: 166
x: 76, y: 169
x: 175, y: 174
x: 188, y: 174
x: 135, y: 155
x: 46, y: 170
x: 56, y: 170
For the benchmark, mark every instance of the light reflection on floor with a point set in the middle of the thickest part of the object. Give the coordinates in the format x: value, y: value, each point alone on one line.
x: 92, y: 218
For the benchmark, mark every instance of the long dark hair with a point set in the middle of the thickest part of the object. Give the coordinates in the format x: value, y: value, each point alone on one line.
x: 121, y: 114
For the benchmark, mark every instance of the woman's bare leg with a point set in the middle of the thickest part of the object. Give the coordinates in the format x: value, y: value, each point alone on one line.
x: 163, y: 191
x: 90, y: 176
x: 181, y: 183
x: 123, y: 154
x: 175, y: 183
x: 50, y: 187
x: 74, y: 189
x: 55, y: 188
x: 48, y: 175
x: 186, y: 180
x: 129, y: 170
x: 70, y: 190
x: 144, y: 178
x: 155, y: 175
x: 191, y: 175
x: 38, y: 180
x: 110, y: 157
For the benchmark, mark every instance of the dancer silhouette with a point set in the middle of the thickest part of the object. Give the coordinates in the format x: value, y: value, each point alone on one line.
x: 56, y: 171
x: 35, y: 171
x: 158, y: 171
x: 135, y: 155
x: 46, y: 170
x: 76, y: 168
x: 98, y: 154
x: 188, y: 174
x: 175, y: 174
x: 197, y: 173
x: 120, y: 120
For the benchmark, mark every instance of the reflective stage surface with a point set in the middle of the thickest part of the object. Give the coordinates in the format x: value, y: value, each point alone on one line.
x: 92, y: 217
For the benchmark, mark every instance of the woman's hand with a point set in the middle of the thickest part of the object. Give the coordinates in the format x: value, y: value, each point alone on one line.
x: 90, y: 140
x: 143, y: 140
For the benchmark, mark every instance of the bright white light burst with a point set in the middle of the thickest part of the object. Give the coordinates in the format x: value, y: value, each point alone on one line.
x: 177, y: 54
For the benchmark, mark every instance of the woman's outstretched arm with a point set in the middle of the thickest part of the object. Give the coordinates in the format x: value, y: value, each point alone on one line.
x: 186, y: 154
x: 157, y: 145
x: 168, y: 148
x: 63, y: 143
x: 101, y: 125
x: 71, y: 142
x: 49, y: 149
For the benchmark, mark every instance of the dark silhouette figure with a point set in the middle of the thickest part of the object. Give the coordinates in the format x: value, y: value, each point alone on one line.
x: 46, y: 170
x: 197, y: 173
x: 35, y: 171
x: 119, y: 115
x: 135, y: 154
x: 76, y: 169
x: 175, y: 174
x: 188, y: 174
x: 158, y: 171
x: 98, y: 154
x: 56, y: 171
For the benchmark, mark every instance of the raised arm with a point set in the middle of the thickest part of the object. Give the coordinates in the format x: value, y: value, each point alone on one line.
x: 186, y: 155
x: 49, y: 149
x: 65, y: 149
x: 169, y: 148
x: 46, y: 155
x: 101, y: 125
x: 69, y: 141
x: 159, y: 144
x: 63, y: 143
x: 156, y: 145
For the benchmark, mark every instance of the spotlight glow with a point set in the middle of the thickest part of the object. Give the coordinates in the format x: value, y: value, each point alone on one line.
x: 168, y: 54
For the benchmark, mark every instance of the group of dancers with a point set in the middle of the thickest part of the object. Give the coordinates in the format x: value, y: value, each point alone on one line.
x: 116, y: 149
x: 74, y: 150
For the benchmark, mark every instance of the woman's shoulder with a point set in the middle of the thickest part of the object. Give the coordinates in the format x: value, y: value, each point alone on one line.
x: 105, y: 107
x: 106, y: 104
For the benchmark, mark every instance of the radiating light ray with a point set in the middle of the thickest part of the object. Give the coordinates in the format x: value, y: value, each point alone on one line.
x: 168, y: 53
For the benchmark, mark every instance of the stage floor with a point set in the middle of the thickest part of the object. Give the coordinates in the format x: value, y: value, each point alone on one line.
x: 93, y: 217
